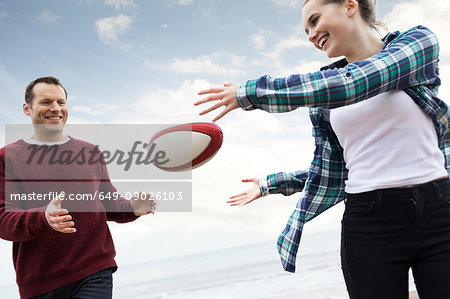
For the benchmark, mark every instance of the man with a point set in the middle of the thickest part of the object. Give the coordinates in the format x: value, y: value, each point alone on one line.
x: 58, y: 254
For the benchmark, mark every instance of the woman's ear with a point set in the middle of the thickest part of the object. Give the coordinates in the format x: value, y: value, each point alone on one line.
x: 352, y: 7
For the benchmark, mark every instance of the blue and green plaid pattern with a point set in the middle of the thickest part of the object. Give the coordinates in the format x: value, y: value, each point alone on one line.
x: 408, y: 61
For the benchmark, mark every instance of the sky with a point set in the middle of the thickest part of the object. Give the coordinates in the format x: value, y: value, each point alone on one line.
x: 143, y: 62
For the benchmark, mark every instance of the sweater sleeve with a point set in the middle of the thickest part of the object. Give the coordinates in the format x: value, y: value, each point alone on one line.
x: 409, y: 59
x: 16, y: 224
x: 118, y: 209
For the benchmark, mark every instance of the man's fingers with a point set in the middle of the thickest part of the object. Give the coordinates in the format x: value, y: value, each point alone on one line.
x: 63, y: 225
x: 143, y: 204
x: 57, y: 219
x: 152, y: 206
x: 58, y: 212
x: 68, y: 230
x: 60, y: 197
x: 56, y: 202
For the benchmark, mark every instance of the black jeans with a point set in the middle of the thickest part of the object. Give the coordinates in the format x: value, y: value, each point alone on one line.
x: 386, y: 232
x: 98, y: 285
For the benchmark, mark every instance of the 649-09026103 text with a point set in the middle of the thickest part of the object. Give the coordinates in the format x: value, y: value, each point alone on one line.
x: 160, y: 195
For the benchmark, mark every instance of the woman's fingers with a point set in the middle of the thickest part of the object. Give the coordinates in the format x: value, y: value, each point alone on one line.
x: 221, y: 114
x: 212, y: 108
x: 211, y: 90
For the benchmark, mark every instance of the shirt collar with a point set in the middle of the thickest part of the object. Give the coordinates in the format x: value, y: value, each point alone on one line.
x: 37, y: 142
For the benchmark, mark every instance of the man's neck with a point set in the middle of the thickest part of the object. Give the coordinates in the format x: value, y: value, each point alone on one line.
x: 49, y: 137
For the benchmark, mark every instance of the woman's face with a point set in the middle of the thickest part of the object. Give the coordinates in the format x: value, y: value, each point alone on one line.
x: 328, y: 26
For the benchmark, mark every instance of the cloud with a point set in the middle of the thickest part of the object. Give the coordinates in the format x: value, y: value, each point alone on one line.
x: 259, y: 39
x: 11, y: 97
x: 108, y: 29
x: 444, y: 90
x: 279, y: 56
x: 244, y: 119
x: 167, y: 105
x: 254, y: 144
x: 294, y: 41
x: 283, y: 69
x: 216, y: 63
x: 286, y: 3
x: 81, y: 120
x: 186, y: 2
x: 276, y: 52
x: 206, y: 12
x: 3, y: 14
x: 97, y: 110
x: 118, y: 3
x: 48, y: 17
x: 164, y: 26
x: 433, y: 16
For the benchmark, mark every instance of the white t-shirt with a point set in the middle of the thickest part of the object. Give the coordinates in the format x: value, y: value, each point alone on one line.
x: 37, y: 142
x: 388, y: 142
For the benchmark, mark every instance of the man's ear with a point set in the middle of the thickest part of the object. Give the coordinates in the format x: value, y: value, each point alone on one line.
x: 352, y: 7
x: 26, y: 109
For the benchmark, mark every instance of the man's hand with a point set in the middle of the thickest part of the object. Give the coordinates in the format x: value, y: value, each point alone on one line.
x: 226, y: 96
x: 143, y: 204
x: 248, y: 196
x: 58, y: 218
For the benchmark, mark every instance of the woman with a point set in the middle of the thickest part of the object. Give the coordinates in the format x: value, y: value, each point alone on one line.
x: 381, y: 139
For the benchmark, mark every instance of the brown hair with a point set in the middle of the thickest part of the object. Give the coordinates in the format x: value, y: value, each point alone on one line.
x: 49, y: 80
x: 366, y: 9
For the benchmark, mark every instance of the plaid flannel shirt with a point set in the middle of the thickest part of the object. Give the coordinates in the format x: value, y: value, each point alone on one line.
x: 408, y: 61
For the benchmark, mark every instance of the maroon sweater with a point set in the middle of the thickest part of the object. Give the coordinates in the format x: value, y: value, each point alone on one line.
x: 45, y: 259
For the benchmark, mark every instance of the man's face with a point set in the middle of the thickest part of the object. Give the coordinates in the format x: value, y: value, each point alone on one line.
x: 48, y: 107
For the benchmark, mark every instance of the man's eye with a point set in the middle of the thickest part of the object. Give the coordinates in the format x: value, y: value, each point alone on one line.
x: 315, y: 20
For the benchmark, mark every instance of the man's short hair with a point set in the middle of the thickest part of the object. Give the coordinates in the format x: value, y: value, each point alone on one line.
x: 49, y: 80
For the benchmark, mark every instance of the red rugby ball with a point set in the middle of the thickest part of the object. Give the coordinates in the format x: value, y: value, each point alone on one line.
x: 206, y: 141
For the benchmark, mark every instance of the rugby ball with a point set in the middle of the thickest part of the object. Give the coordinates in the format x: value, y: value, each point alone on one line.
x: 188, y: 146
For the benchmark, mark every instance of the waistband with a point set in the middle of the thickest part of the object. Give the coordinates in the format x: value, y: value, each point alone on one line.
x: 433, y: 186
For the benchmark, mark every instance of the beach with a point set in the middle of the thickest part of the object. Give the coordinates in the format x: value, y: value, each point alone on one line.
x: 250, y: 271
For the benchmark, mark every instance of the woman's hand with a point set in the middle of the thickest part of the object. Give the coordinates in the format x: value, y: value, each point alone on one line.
x: 248, y: 196
x: 226, y: 96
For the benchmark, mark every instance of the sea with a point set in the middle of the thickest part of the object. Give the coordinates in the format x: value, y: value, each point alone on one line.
x: 250, y: 271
